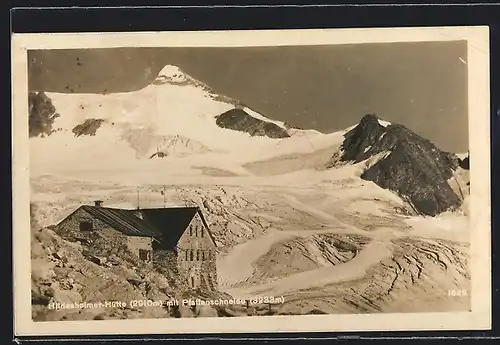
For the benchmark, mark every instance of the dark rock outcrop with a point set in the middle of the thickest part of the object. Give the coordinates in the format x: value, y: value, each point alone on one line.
x: 88, y: 127
x: 464, y: 163
x: 239, y: 120
x: 412, y: 167
x: 42, y: 114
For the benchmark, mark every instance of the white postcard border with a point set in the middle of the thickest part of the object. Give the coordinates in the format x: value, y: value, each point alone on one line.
x: 479, y: 133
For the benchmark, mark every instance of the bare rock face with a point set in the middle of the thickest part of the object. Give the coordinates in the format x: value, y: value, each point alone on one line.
x: 42, y: 114
x: 239, y: 120
x: 88, y: 127
x: 464, y: 163
x: 409, y: 165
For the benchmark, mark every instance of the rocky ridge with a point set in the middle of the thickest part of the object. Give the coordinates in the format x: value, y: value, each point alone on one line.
x: 88, y: 127
x: 42, y: 114
x: 238, y: 120
x: 405, y: 163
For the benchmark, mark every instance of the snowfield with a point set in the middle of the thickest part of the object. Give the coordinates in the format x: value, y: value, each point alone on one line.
x: 178, y: 118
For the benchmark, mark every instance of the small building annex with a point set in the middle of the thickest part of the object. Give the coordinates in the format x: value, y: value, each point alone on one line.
x: 182, y: 232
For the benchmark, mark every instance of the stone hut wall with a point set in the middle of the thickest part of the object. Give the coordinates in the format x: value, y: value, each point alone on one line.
x: 102, y: 240
x: 165, y: 262
x: 139, y: 245
x: 196, y: 257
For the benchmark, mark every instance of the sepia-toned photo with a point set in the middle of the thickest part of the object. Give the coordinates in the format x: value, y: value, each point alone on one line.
x: 234, y: 182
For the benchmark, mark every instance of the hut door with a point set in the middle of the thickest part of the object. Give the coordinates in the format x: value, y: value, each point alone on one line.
x: 191, y: 279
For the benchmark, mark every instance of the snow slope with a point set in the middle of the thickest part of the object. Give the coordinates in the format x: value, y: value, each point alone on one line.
x: 175, y: 114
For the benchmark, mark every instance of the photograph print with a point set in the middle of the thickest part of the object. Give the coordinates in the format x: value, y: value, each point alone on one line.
x: 249, y: 181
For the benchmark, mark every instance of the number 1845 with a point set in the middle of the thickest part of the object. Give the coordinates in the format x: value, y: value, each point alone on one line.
x: 458, y: 293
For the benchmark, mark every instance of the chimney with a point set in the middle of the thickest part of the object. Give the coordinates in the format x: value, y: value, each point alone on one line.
x: 98, y: 203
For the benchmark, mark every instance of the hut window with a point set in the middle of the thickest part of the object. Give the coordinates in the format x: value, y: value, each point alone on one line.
x: 190, y: 231
x: 191, y: 255
x: 196, y: 231
x: 201, y: 232
x: 203, y: 255
x: 197, y: 255
x: 144, y: 254
x: 86, y: 226
x: 187, y: 255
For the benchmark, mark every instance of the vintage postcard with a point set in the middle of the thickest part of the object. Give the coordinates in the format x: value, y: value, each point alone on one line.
x: 251, y: 181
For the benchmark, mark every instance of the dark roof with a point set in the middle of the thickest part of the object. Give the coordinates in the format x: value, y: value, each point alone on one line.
x: 170, y: 223
x: 165, y: 224
x: 122, y: 220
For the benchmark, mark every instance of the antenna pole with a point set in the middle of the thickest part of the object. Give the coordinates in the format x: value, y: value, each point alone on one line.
x: 138, y: 205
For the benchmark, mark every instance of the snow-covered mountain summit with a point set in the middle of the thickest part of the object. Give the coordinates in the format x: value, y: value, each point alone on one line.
x: 171, y: 74
x: 174, y: 115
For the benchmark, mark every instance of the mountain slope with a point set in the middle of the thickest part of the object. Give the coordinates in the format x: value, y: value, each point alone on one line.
x: 405, y: 163
x: 175, y: 116
x: 180, y: 118
x: 174, y: 104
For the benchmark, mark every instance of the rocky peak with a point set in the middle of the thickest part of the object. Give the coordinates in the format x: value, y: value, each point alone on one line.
x: 412, y: 167
x: 361, y: 138
x: 42, y: 114
x: 464, y: 163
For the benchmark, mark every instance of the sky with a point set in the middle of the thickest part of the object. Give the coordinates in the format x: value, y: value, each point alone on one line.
x: 420, y: 85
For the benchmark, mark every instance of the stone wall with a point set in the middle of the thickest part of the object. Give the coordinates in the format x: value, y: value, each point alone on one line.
x: 70, y: 228
x: 165, y: 262
x: 196, y: 257
x: 192, y: 265
x: 102, y: 240
x: 137, y: 243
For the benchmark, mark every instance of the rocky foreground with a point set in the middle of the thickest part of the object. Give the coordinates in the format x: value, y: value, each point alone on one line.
x: 67, y: 272
x: 272, y: 242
